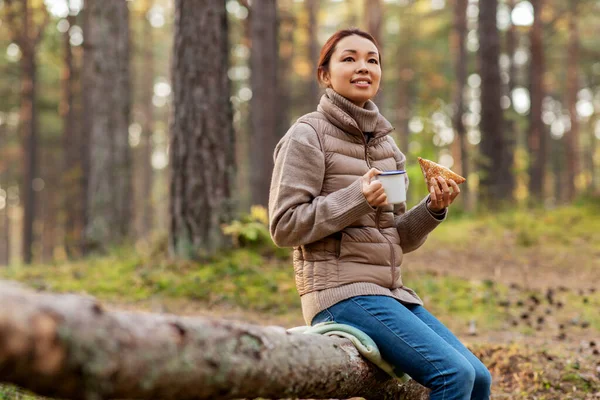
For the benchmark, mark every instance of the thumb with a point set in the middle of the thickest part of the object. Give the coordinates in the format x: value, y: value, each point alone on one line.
x: 370, y: 174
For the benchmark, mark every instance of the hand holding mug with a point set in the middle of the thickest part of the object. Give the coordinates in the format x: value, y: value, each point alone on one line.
x: 373, y: 189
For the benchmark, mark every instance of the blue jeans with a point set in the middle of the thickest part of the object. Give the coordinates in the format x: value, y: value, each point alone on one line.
x: 415, y: 342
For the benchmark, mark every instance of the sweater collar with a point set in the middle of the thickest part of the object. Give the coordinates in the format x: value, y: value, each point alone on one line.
x: 352, y: 118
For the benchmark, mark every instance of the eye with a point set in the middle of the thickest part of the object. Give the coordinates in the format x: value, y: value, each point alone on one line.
x: 348, y: 58
x: 374, y: 61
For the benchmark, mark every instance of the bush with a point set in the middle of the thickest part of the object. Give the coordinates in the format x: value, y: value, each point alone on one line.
x: 252, y: 231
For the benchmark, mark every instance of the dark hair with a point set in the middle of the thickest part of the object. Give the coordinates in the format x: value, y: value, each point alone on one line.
x: 329, y: 47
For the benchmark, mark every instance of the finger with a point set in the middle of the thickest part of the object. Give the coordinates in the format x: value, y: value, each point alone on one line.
x: 372, y: 195
x: 372, y: 172
x: 455, y: 189
x: 432, y: 195
x: 445, y: 189
x: 381, y: 200
x: 375, y: 185
x: 436, y: 187
x: 378, y: 193
x: 373, y: 191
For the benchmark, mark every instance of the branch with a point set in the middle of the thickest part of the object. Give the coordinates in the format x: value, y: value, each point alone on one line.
x: 69, y: 346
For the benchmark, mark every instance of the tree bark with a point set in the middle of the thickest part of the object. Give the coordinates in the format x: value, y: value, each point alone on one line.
x: 572, y: 136
x: 406, y: 76
x: 110, y: 165
x: 29, y: 132
x: 373, y: 15
x: 512, y: 128
x: 85, y: 128
x: 287, y: 27
x: 458, y: 42
x: 48, y: 207
x: 72, y: 194
x: 537, y: 131
x: 312, y: 8
x: 69, y: 346
x: 27, y: 34
x: 4, y: 235
x: 202, y: 141
x: 148, y: 121
x: 264, y: 106
x: 493, y: 184
x: 594, y: 187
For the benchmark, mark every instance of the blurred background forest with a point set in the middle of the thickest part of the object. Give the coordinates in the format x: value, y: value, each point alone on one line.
x: 506, y: 93
x: 136, y: 142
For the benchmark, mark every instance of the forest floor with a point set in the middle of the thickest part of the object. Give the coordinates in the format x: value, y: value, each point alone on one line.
x: 519, y: 288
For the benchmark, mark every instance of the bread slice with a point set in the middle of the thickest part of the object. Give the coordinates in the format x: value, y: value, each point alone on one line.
x: 433, y: 170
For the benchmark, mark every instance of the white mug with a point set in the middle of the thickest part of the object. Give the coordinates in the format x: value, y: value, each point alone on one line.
x: 394, y: 185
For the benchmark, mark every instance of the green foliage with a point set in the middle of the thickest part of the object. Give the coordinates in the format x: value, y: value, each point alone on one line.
x: 458, y: 301
x: 252, y: 231
x: 13, y: 393
x: 243, y: 278
x: 562, y: 226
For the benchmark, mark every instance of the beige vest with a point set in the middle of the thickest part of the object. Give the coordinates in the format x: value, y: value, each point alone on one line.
x: 369, y: 250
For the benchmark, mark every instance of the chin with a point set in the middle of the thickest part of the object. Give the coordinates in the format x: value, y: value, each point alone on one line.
x: 361, y: 99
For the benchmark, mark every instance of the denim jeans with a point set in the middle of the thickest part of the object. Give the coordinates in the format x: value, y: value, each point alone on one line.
x: 415, y: 342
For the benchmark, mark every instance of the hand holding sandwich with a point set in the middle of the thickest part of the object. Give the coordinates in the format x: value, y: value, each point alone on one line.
x: 443, y: 184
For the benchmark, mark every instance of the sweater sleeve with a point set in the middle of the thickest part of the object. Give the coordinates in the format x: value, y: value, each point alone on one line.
x: 415, y: 224
x: 298, y: 214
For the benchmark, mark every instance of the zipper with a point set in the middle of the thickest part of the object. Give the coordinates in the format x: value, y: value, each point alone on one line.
x: 378, y: 214
x: 392, y: 252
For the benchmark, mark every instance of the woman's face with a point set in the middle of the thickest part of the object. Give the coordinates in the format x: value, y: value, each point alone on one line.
x: 354, y: 70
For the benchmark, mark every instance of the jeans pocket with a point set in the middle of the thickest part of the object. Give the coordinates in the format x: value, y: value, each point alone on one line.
x: 323, y: 316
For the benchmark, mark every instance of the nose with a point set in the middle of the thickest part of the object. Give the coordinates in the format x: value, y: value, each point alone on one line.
x: 361, y: 67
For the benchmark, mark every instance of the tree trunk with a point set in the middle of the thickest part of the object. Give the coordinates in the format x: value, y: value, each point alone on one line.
x: 4, y: 235
x: 493, y: 183
x: 148, y: 122
x: 202, y: 140
x: 558, y: 166
x: 458, y: 42
x: 537, y: 131
x: 512, y: 129
x: 29, y: 132
x: 264, y: 103
x: 27, y: 34
x: 285, y: 58
x: 71, y: 193
x: 373, y: 15
x: 110, y: 170
x: 85, y: 127
x: 49, y: 204
x: 405, y: 89
x: 69, y: 346
x: 312, y: 8
x: 572, y: 136
x: 594, y: 184
x: 4, y: 224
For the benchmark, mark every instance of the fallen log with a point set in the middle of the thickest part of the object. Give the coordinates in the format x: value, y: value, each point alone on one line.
x: 69, y: 346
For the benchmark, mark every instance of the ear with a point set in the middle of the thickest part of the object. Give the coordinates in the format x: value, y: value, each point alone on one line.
x: 325, y: 77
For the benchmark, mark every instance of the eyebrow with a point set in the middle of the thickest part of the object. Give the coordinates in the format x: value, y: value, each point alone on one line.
x: 355, y: 52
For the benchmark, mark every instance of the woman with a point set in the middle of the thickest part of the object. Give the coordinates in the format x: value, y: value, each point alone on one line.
x: 348, y: 241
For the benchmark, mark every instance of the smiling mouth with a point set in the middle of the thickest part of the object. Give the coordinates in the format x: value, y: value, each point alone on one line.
x: 361, y: 83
